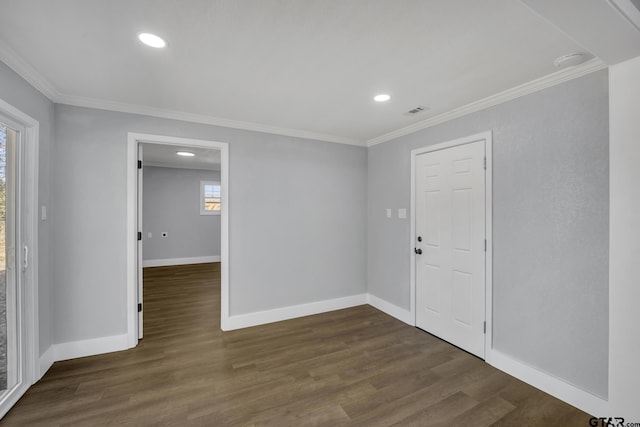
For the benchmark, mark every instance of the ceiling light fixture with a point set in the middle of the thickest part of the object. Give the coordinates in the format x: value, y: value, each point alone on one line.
x: 152, y: 40
x: 185, y: 153
x: 382, y: 97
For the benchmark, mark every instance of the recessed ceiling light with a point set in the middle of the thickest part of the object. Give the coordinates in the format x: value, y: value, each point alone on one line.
x: 382, y: 97
x: 152, y: 40
x: 185, y: 153
x: 570, y: 60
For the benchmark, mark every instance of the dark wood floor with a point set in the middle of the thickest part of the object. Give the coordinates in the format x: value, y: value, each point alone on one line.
x: 356, y: 367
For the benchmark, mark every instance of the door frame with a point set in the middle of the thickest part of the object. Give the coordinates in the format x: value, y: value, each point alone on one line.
x: 488, y: 149
x: 133, y: 139
x: 29, y: 360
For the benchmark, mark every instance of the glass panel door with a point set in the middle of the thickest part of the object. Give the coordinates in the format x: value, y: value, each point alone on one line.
x: 9, y: 295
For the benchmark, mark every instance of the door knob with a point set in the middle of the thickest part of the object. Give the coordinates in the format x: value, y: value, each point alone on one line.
x: 418, y: 251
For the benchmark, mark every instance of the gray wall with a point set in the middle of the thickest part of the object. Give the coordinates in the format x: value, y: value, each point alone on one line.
x: 297, y: 218
x: 550, y: 225
x: 20, y: 94
x: 171, y: 203
x: 305, y: 241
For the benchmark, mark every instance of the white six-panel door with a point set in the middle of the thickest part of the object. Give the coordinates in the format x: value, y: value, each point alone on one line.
x: 450, y: 244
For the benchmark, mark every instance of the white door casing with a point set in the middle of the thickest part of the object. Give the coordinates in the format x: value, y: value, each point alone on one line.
x: 140, y: 244
x: 450, y: 224
x: 133, y: 272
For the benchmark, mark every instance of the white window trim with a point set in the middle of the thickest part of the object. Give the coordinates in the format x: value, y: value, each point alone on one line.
x: 202, y: 209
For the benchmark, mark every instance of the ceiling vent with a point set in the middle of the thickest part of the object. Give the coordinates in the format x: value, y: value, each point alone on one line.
x: 416, y: 110
x: 630, y: 9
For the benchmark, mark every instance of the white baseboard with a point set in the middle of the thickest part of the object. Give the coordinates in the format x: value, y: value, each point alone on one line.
x: 391, y: 309
x: 563, y: 390
x: 556, y: 387
x: 91, y: 347
x: 285, y: 313
x: 46, y: 360
x: 180, y: 261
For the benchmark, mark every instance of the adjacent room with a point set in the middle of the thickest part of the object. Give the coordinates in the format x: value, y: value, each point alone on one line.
x: 311, y: 212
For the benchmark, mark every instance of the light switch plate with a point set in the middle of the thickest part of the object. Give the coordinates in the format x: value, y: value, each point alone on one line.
x: 388, y: 213
x: 402, y: 213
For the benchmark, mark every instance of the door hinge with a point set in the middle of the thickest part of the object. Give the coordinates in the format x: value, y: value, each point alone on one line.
x: 139, y: 235
x: 139, y: 164
x: 25, y: 260
x: 485, y: 245
x: 485, y: 327
x: 485, y: 163
x: 139, y: 307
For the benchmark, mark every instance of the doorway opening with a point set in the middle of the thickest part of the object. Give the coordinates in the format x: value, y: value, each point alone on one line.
x: 178, y: 244
x: 179, y: 215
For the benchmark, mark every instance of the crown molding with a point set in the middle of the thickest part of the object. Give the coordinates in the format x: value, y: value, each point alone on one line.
x: 37, y: 80
x: 27, y: 72
x: 553, y: 79
x: 101, y: 104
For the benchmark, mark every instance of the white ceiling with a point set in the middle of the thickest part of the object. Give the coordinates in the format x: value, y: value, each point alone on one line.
x: 165, y: 156
x: 299, y: 67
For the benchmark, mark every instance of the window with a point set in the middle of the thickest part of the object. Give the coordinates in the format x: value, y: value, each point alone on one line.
x: 210, y: 198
